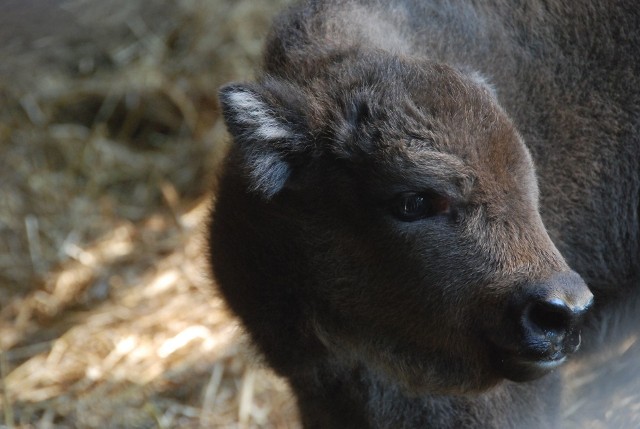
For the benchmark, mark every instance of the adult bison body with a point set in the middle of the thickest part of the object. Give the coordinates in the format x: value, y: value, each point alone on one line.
x: 379, y: 223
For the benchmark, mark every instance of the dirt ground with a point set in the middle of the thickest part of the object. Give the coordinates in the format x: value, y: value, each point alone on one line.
x: 110, y: 136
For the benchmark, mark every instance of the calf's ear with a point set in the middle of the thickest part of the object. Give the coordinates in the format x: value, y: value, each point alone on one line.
x: 267, y: 131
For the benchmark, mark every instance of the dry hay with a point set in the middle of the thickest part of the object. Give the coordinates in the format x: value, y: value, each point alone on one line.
x: 109, y: 138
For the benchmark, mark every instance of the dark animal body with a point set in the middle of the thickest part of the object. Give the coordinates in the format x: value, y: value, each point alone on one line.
x: 379, y: 227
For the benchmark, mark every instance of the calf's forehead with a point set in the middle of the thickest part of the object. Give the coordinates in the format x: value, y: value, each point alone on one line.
x: 470, y: 143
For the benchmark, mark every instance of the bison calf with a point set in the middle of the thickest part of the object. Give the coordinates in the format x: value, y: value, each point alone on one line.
x: 378, y: 223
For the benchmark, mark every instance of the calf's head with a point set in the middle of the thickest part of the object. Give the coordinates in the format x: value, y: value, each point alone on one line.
x: 392, y: 202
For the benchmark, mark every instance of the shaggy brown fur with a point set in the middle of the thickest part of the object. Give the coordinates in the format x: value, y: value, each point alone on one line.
x: 378, y: 229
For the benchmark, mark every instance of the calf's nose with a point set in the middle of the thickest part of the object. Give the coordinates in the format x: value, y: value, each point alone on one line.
x: 555, y: 310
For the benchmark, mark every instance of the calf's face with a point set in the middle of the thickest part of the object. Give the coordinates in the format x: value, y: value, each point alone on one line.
x: 414, y: 202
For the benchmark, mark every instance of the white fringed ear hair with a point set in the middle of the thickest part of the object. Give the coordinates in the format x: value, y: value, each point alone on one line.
x: 266, y: 137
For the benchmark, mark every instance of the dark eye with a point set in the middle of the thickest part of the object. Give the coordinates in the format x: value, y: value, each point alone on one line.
x: 413, y: 206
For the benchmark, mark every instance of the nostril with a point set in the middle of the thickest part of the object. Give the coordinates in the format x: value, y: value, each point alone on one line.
x: 552, y: 316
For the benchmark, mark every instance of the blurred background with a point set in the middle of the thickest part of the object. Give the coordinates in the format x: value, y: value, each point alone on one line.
x: 110, y: 136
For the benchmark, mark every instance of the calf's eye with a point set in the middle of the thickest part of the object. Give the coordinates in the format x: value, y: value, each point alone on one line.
x: 411, y: 206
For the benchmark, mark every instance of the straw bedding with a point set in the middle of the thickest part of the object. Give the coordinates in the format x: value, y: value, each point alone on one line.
x: 109, y: 140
